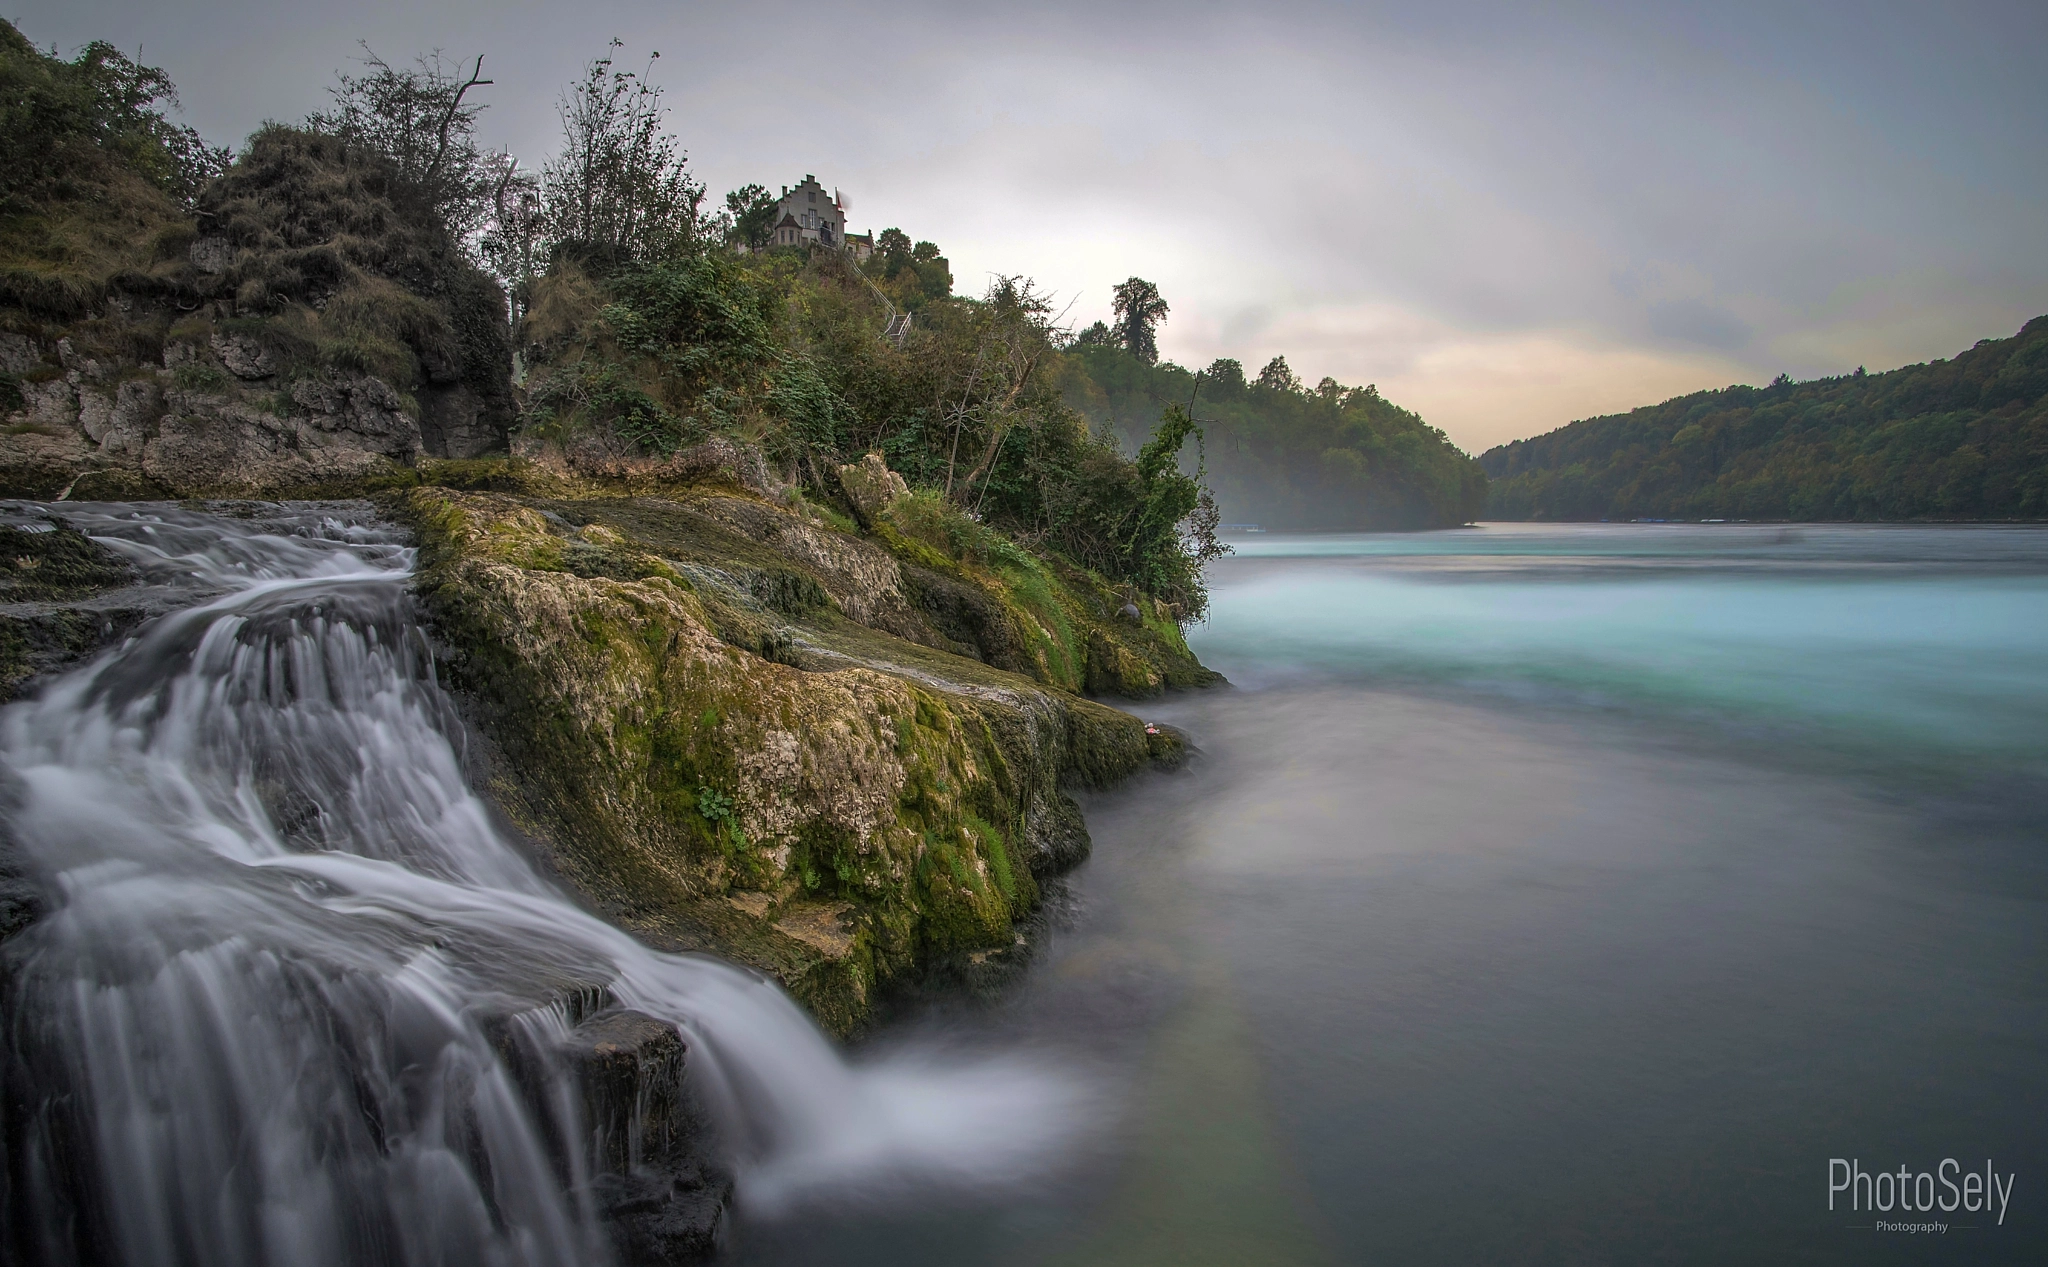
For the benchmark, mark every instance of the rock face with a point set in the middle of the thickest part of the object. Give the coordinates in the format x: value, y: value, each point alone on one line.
x: 320, y: 337
x: 734, y: 728
x: 62, y: 597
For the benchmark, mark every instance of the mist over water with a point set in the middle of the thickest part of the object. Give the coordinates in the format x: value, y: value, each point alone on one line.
x: 1556, y: 894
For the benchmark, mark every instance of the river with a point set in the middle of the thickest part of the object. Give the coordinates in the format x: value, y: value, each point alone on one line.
x: 1538, y: 894
x: 1556, y: 894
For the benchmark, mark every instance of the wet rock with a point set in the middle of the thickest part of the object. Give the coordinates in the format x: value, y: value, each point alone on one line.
x: 662, y: 1197
x: 60, y: 601
x: 664, y: 1219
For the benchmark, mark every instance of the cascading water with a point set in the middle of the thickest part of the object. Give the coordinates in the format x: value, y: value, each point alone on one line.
x: 255, y: 1024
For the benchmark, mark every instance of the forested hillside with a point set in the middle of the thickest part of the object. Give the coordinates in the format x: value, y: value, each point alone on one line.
x: 1283, y: 455
x: 1958, y: 439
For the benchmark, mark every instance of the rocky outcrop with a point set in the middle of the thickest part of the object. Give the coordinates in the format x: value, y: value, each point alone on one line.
x: 62, y: 598
x: 871, y: 487
x: 701, y: 711
x: 322, y: 336
x: 661, y: 1196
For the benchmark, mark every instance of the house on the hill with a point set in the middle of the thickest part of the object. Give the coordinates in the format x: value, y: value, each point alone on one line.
x: 807, y: 214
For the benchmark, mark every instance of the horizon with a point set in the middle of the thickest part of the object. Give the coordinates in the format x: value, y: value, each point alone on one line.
x: 1505, y: 224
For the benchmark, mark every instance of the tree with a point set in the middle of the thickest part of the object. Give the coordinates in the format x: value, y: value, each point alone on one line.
x: 750, y: 211
x: 619, y: 192
x: 422, y: 120
x: 58, y: 117
x: 1225, y: 375
x: 1277, y: 377
x: 1139, y: 313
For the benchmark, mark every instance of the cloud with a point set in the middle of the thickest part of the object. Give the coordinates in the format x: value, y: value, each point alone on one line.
x: 1507, y: 218
x: 1698, y: 321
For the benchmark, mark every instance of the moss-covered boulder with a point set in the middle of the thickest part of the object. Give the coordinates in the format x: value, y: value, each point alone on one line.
x: 732, y: 727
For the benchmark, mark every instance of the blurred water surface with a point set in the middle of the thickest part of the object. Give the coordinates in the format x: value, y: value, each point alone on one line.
x: 1548, y: 894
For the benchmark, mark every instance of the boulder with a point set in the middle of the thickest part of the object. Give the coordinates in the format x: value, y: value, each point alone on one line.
x: 870, y: 486
x: 663, y: 1201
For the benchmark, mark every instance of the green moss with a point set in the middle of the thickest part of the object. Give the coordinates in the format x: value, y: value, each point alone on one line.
x: 671, y: 764
x: 61, y: 563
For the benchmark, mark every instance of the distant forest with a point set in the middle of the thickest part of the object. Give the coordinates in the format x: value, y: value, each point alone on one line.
x: 1960, y: 439
x: 1280, y: 454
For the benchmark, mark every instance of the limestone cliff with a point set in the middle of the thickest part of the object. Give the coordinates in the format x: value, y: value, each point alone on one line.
x: 736, y: 727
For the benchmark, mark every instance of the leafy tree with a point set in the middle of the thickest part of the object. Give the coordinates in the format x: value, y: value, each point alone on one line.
x: 921, y: 274
x: 422, y: 121
x: 1095, y: 336
x: 619, y: 191
x: 1139, y: 312
x: 1276, y: 377
x: 1225, y: 375
x: 750, y: 210
x: 62, y: 123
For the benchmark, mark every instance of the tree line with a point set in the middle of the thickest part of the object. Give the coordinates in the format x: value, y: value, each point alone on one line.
x: 1276, y: 452
x: 1965, y: 438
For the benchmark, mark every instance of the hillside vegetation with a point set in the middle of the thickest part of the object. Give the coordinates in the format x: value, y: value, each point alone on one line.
x: 1283, y: 455
x: 1958, y: 439
x: 774, y: 623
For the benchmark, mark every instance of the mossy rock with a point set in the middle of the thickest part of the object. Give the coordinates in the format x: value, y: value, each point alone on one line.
x: 837, y: 811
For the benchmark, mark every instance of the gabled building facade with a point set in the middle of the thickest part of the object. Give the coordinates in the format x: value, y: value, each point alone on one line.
x: 807, y: 214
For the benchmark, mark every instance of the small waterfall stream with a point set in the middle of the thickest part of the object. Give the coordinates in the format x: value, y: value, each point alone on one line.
x: 256, y: 1023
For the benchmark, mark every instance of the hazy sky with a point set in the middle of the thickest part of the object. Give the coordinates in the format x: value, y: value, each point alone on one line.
x: 1505, y: 215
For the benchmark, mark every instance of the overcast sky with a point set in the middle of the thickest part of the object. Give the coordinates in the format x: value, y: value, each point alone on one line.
x: 1506, y: 215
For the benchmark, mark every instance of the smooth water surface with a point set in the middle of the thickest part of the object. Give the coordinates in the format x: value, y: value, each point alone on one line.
x: 1551, y: 894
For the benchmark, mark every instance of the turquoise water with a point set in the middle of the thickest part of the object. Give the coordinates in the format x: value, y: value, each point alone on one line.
x: 1544, y: 895
x: 1932, y: 640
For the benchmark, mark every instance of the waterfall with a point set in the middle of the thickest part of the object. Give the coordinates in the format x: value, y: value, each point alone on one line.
x: 272, y: 1011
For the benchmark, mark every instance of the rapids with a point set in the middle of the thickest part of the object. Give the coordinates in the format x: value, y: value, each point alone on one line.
x: 265, y: 1017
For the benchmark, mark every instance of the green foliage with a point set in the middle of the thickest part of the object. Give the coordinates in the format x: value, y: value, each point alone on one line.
x: 619, y: 192
x: 1334, y: 458
x: 1139, y: 313
x: 63, y: 125
x: 750, y: 217
x: 783, y: 350
x: 713, y: 804
x: 95, y: 181
x: 911, y: 275
x: 421, y: 121
x: 678, y: 349
x: 336, y: 265
x: 1960, y: 439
